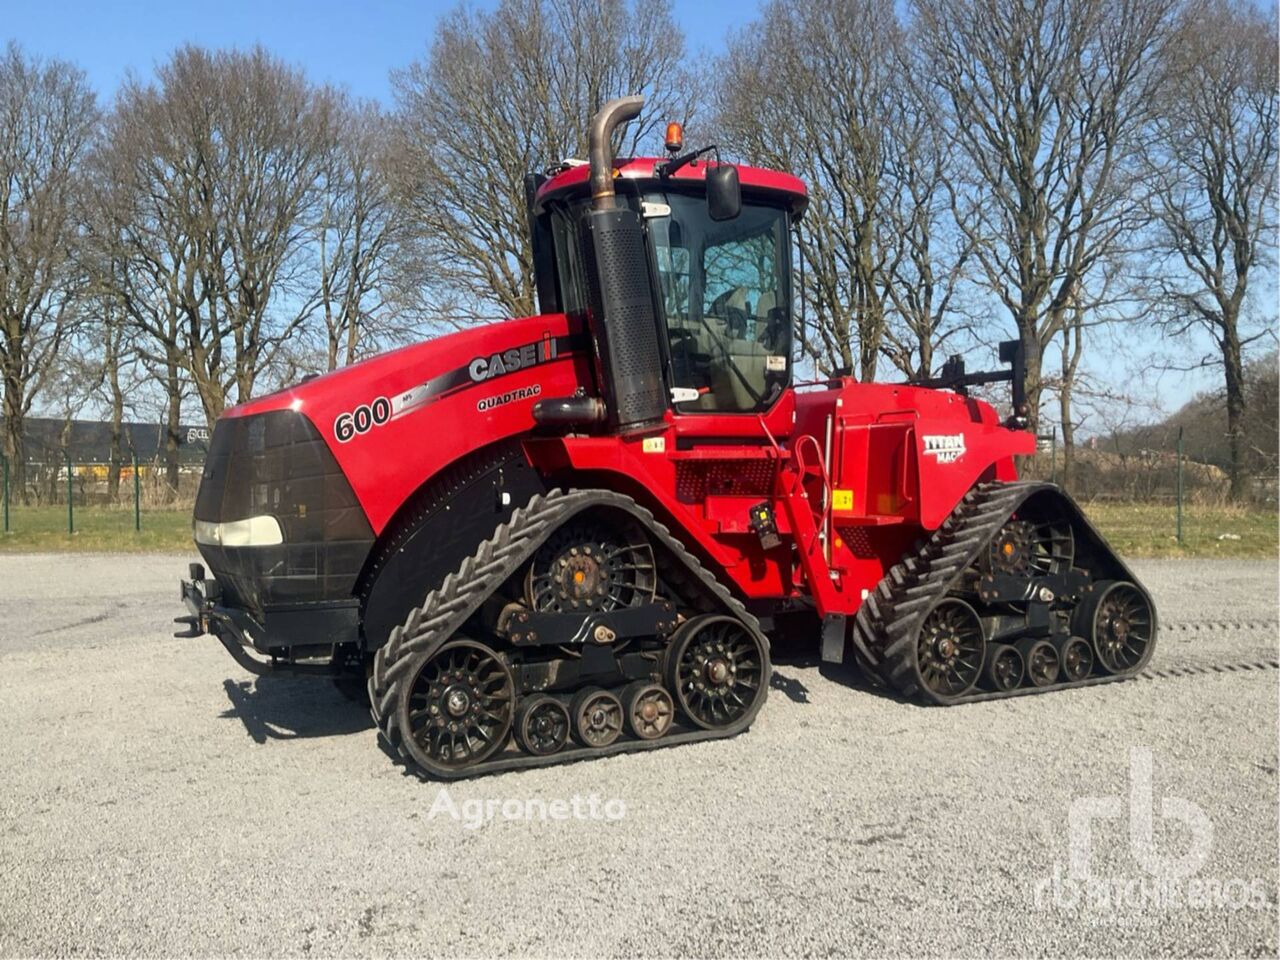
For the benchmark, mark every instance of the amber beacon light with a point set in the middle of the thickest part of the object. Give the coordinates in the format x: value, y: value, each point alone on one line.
x: 675, y: 137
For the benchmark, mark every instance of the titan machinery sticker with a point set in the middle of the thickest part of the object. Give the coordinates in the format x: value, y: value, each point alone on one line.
x: 945, y: 447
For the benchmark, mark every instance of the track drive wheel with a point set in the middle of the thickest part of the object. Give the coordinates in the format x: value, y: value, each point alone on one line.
x: 459, y: 707
x: 718, y: 670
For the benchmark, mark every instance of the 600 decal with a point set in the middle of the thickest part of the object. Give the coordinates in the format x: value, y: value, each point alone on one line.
x: 362, y: 419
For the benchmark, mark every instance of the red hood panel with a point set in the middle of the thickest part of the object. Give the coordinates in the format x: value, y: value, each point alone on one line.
x: 395, y: 420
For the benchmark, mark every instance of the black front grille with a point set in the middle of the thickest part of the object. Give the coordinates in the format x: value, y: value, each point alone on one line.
x: 276, y: 464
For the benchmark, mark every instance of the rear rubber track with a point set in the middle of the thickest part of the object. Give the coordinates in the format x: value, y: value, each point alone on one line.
x: 887, y: 625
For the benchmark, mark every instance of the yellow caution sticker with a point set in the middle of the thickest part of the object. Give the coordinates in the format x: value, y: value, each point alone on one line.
x: 655, y: 445
x: 841, y: 499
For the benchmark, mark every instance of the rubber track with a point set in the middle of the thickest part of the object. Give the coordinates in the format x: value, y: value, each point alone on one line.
x: 446, y: 609
x: 888, y: 623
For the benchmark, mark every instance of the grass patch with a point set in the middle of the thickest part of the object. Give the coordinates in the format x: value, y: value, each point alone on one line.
x: 1150, y: 530
x: 1134, y: 529
x: 97, y: 529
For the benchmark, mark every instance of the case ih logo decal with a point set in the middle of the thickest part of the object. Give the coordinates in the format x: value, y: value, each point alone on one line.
x: 509, y: 361
x: 947, y: 447
x: 480, y: 370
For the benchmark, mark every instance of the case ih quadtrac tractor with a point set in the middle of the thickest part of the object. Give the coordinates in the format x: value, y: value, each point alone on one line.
x: 572, y: 534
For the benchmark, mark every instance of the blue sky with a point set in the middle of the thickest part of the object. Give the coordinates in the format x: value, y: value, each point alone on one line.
x: 355, y: 44
x: 352, y: 44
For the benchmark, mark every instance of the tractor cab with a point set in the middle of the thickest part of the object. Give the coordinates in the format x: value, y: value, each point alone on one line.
x: 681, y: 268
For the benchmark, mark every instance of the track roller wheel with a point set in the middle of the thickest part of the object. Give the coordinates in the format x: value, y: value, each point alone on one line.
x: 950, y: 649
x: 597, y: 717
x: 1077, y: 659
x: 1042, y: 660
x: 1118, y: 618
x: 459, y: 707
x: 718, y: 670
x: 542, y: 725
x: 650, y: 709
x: 1003, y: 669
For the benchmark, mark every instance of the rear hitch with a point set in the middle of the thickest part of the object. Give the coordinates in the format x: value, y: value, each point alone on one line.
x: 194, y: 627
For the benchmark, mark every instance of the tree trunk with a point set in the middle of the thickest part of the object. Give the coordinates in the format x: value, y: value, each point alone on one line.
x: 333, y: 350
x: 173, y: 430
x: 1067, y: 477
x: 117, y: 419
x: 1234, y: 369
x: 353, y: 337
x: 14, y: 446
x: 1034, y: 360
x: 1072, y: 348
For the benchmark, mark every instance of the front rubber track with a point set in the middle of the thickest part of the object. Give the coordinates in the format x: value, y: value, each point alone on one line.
x: 446, y: 608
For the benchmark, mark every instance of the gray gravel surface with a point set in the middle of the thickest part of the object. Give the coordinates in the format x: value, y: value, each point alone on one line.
x: 157, y: 800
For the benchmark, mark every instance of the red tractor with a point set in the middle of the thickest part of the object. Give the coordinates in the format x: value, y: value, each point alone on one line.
x: 572, y: 534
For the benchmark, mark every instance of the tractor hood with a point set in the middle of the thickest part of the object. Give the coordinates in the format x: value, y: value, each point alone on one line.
x: 395, y: 420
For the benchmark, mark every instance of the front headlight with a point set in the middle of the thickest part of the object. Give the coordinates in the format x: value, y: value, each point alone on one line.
x: 252, y: 532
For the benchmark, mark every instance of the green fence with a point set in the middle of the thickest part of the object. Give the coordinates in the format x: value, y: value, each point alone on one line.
x: 132, y: 503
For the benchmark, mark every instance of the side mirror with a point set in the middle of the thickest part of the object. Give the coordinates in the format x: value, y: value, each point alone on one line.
x: 724, y: 195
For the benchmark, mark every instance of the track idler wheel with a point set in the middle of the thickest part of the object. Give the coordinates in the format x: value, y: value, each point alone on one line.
x: 459, y: 707
x: 717, y: 668
x: 542, y: 725
x: 1042, y: 660
x: 1117, y: 616
x: 1076, y: 654
x: 597, y: 717
x: 1003, y: 669
x: 650, y: 709
x: 950, y: 649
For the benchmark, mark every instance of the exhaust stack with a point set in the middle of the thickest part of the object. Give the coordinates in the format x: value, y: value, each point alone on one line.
x: 621, y: 310
x: 600, y: 147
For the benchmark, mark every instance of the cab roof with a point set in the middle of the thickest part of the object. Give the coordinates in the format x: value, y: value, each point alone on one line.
x: 755, y: 180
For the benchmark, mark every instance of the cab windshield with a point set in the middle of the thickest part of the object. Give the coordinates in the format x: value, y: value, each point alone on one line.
x: 726, y: 295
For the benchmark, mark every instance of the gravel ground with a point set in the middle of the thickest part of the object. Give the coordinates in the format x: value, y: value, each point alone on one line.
x: 158, y: 801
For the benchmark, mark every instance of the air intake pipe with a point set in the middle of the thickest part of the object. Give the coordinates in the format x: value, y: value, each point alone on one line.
x: 621, y: 300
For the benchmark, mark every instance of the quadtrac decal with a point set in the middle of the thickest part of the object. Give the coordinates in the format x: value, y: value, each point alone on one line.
x: 482, y: 369
x: 502, y: 399
x: 944, y: 447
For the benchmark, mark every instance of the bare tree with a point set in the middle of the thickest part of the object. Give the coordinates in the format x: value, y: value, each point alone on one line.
x: 358, y: 231
x: 501, y: 94
x: 212, y: 173
x: 803, y: 91
x: 1212, y: 158
x: 1045, y: 100
x: 926, y: 259
x: 47, y: 119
